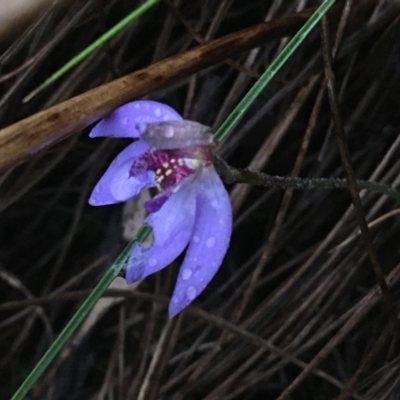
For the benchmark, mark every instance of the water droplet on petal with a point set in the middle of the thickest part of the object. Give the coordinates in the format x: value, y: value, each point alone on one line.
x: 141, y: 126
x: 210, y: 242
x: 196, y: 239
x: 124, y: 121
x: 169, y: 132
x: 152, y: 262
x: 157, y: 112
x: 186, y: 274
x: 137, y: 106
x: 191, y: 292
x: 214, y: 204
x: 199, y: 275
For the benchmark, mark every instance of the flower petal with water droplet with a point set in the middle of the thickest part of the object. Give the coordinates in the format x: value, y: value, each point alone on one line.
x: 122, y: 123
x: 117, y: 185
x: 209, y: 243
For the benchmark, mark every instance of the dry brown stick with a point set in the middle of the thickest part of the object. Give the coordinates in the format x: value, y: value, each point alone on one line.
x: 24, y: 138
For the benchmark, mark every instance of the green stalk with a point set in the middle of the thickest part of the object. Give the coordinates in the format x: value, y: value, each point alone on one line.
x: 270, y: 72
x: 79, y: 316
x: 135, y: 14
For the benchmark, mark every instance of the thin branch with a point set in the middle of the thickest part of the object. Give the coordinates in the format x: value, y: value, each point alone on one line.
x: 234, y: 175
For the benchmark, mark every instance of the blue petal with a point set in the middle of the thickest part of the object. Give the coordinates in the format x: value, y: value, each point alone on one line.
x: 172, y: 228
x: 209, y: 242
x: 116, y: 185
x: 122, y: 122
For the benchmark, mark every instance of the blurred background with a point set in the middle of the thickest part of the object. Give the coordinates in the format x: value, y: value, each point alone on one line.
x: 296, y: 289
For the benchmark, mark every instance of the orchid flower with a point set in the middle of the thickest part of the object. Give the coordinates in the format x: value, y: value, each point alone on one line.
x: 192, y: 208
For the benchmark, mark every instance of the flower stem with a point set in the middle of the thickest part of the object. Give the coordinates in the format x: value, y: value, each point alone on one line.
x: 234, y: 175
x: 80, y: 315
x: 270, y: 72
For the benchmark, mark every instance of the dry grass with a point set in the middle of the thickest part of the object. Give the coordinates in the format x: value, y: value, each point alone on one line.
x: 295, y: 312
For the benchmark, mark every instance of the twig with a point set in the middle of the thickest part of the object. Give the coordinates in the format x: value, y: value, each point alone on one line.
x: 234, y: 175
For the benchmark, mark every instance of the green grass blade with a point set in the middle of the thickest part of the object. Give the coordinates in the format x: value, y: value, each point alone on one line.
x: 79, y: 316
x: 270, y: 72
x: 135, y: 14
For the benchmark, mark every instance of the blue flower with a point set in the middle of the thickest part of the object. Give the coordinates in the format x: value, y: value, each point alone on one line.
x: 192, y: 208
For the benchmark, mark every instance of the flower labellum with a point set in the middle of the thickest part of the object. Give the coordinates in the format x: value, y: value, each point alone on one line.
x: 192, y: 208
